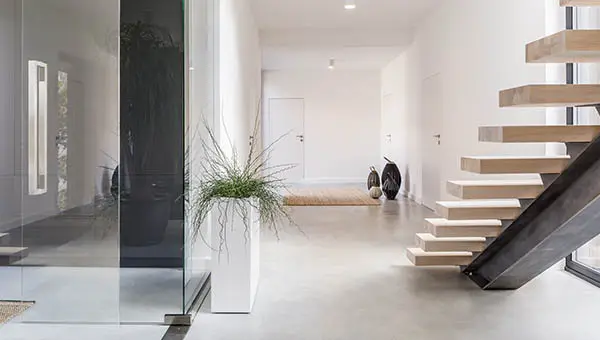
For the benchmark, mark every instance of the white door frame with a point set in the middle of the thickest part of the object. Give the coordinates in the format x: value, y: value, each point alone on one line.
x: 269, y: 138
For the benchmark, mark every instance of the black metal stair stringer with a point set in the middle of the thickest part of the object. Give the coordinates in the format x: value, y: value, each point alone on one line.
x: 562, y: 219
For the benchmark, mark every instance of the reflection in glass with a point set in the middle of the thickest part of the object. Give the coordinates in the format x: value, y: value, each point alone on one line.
x: 62, y: 139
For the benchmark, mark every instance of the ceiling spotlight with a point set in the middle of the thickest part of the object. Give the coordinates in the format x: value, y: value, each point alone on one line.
x: 331, y: 64
x: 350, y: 4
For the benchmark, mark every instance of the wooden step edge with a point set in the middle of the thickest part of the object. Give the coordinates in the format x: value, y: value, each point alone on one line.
x: 579, y: 3
x: 431, y: 243
x: 539, y: 134
x: 3, y: 235
x: 568, y: 46
x: 550, y: 95
x: 495, y: 189
x: 515, y: 165
x: 486, y: 209
x: 421, y: 258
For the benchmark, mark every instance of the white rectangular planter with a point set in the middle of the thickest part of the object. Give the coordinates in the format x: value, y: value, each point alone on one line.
x: 235, y: 269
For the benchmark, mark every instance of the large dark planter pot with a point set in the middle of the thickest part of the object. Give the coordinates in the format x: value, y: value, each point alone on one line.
x: 391, y: 179
x: 373, y: 179
x: 145, y: 208
x: 144, y: 222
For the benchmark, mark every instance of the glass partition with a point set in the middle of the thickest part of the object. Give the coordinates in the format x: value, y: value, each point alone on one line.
x: 92, y: 156
x: 585, y: 262
x: 59, y: 150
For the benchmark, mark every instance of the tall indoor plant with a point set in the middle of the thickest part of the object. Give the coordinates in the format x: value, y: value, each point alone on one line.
x: 230, y: 187
x: 242, y: 195
x: 151, y: 132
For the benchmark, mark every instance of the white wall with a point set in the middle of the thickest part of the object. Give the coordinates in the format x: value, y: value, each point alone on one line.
x: 341, y: 119
x: 478, y: 48
x: 240, y: 73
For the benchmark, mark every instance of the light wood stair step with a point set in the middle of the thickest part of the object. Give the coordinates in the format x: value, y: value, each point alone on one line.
x: 539, y: 134
x: 580, y: 3
x: 3, y: 235
x: 9, y: 255
x: 569, y: 46
x: 431, y: 243
x: 442, y: 227
x: 551, y: 95
x: 514, y: 164
x: 479, y: 209
x: 491, y: 189
x: 419, y: 257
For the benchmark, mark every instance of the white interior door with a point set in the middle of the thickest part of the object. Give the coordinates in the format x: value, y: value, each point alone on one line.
x: 286, y: 118
x: 431, y: 104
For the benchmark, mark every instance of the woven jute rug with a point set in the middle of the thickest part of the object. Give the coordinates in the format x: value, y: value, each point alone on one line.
x: 329, y: 197
x: 10, y: 310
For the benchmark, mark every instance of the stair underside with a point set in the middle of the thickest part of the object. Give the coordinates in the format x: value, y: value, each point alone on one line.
x: 514, y: 164
x: 419, y: 257
x: 569, y: 46
x: 581, y: 3
x: 551, y: 96
x: 524, y: 189
x: 539, y: 134
x: 431, y: 243
x: 479, y: 209
x: 442, y: 227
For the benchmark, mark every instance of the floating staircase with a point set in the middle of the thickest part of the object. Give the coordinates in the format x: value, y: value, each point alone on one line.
x: 506, y: 232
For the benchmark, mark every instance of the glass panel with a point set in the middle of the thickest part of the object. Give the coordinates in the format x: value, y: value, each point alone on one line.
x: 68, y: 129
x: 11, y: 175
x: 200, y: 101
x: 151, y: 165
x: 589, y: 255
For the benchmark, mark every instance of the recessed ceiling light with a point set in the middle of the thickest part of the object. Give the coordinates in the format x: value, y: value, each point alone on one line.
x: 331, y: 64
x: 350, y: 4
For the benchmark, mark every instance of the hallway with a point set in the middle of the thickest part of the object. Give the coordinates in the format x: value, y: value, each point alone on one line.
x: 347, y: 278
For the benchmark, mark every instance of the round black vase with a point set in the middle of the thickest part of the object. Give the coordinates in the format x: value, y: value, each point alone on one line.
x: 391, y: 179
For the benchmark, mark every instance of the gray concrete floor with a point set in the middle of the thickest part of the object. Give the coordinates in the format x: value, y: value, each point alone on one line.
x: 348, y: 278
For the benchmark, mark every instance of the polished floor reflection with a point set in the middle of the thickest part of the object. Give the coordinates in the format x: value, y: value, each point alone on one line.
x: 348, y: 278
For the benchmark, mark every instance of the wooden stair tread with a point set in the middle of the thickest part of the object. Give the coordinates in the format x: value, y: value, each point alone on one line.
x: 442, y: 222
x: 539, y: 134
x: 479, y: 209
x: 550, y: 95
x: 430, y: 237
x: 474, y: 204
x: 11, y: 251
x: 514, y: 164
x: 419, y: 257
x: 495, y: 189
x: 442, y: 227
x: 568, y: 46
x: 3, y: 235
x: 581, y: 3
x: 431, y: 243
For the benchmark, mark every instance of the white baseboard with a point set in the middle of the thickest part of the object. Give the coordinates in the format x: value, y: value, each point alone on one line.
x: 326, y: 180
x: 411, y: 196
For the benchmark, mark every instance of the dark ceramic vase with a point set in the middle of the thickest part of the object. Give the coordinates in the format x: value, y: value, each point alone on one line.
x: 392, y: 180
x: 373, y: 179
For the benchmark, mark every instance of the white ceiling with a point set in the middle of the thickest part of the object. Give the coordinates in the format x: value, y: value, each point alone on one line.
x: 330, y: 14
x: 304, y: 34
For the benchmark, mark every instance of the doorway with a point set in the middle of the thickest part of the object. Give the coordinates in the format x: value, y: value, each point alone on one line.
x: 432, y: 106
x: 286, y: 123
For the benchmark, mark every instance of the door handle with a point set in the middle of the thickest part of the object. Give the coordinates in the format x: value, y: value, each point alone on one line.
x: 437, y: 136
